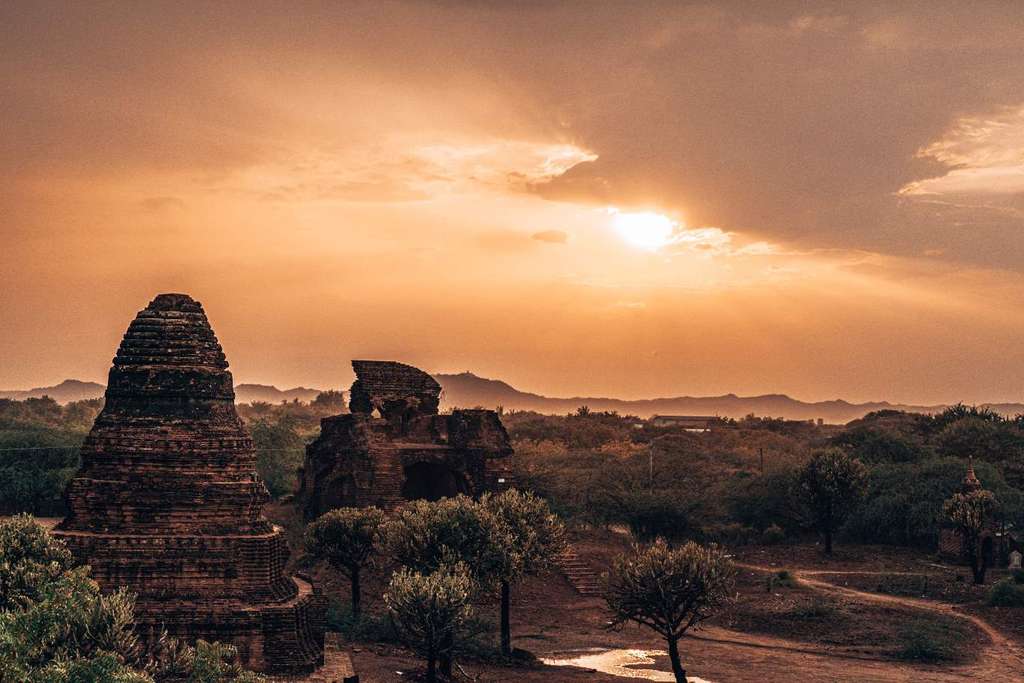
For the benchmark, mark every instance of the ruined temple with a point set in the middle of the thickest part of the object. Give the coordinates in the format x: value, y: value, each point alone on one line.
x: 996, y: 543
x: 394, y: 446
x: 168, y: 502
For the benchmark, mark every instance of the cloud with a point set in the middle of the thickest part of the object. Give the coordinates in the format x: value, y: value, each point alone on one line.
x: 984, y: 155
x: 551, y: 236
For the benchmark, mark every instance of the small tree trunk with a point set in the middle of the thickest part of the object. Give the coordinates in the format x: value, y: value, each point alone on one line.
x: 447, y: 645
x: 828, y: 541
x: 356, y: 593
x: 506, y: 621
x: 677, y: 665
x: 431, y: 669
x: 977, y: 565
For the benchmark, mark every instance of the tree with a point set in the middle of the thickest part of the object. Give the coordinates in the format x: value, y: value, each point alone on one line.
x: 530, y: 537
x: 426, y: 536
x: 431, y: 609
x: 330, y: 401
x: 971, y: 513
x: 279, y: 453
x: 346, y: 538
x: 670, y: 590
x: 832, y: 484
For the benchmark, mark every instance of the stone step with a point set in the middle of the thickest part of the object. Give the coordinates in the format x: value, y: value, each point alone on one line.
x: 580, y: 576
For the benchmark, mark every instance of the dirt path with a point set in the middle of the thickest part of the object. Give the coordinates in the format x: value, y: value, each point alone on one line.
x: 1001, y: 660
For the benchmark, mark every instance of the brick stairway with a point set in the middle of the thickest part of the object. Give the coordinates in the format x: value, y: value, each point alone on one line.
x: 337, y: 666
x: 580, y: 575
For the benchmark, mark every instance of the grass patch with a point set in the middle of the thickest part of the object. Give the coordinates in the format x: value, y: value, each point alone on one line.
x: 923, y: 640
x: 815, y: 610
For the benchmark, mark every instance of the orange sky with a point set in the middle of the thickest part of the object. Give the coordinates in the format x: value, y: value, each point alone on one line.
x: 628, y: 199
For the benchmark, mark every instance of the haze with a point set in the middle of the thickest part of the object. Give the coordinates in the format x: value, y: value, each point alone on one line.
x: 627, y: 199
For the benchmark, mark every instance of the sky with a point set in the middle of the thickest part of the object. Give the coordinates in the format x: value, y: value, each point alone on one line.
x: 628, y: 199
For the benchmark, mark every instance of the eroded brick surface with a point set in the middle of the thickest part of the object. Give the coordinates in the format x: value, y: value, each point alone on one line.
x: 394, y: 446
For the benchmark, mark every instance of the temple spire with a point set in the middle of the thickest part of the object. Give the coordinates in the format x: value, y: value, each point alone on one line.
x: 971, y: 482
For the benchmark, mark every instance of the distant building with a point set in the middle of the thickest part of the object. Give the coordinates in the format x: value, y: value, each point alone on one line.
x: 996, y: 542
x: 695, y: 423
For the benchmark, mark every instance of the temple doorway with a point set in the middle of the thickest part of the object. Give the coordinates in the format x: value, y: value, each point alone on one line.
x: 432, y: 481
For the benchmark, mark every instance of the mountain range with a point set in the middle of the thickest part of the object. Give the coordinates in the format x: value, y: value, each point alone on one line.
x: 468, y: 390
x: 74, y: 390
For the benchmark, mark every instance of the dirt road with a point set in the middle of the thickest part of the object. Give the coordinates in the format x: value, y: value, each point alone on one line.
x: 774, y: 659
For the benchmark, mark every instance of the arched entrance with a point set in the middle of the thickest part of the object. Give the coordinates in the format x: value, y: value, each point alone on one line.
x: 432, y: 481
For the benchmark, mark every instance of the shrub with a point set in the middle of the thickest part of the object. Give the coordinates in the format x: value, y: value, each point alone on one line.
x: 1006, y: 593
x: 655, y: 514
x: 30, y: 558
x: 773, y: 534
x: 366, y: 627
x: 781, y: 578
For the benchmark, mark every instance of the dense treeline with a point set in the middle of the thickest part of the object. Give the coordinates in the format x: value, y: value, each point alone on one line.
x: 40, y: 441
x: 735, y: 482
x: 602, y: 468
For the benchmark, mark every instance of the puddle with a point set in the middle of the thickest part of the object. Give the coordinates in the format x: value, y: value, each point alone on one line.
x: 624, y: 663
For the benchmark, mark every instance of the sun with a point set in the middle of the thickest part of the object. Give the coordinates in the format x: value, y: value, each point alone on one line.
x: 644, y: 229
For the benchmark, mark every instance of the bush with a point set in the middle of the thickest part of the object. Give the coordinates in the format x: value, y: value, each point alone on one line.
x: 781, y: 578
x: 1006, y: 593
x: 1018, y: 575
x: 654, y: 514
x: 365, y: 627
x: 767, y: 500
x: 773, y: 535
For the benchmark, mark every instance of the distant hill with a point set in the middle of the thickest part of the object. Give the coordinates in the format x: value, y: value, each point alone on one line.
x: 67, y: 391
x: 74, y: 390
x: 467, y: 390
x: 250, y: 393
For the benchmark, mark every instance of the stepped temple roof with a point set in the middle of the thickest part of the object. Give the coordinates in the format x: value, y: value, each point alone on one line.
x: 168, y: 502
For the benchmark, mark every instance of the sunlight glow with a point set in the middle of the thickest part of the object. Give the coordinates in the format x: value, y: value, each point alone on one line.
x: 645, y: 229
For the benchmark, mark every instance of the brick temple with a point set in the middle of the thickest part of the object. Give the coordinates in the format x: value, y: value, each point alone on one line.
x: 168, y: 502
x: 394, y: 446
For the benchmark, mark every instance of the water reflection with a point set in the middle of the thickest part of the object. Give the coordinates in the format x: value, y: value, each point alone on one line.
x: 624, y: 663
